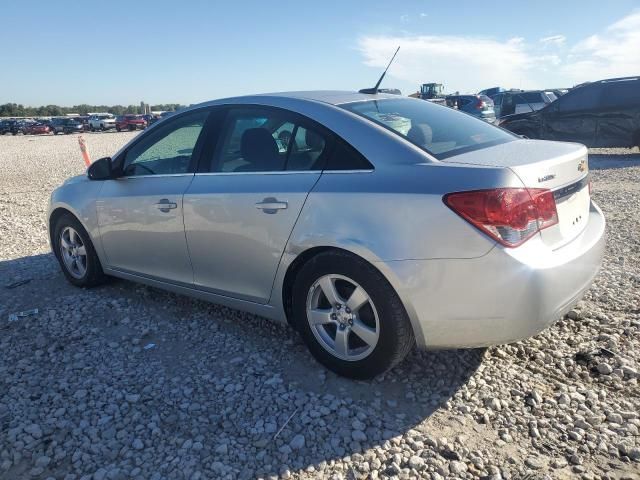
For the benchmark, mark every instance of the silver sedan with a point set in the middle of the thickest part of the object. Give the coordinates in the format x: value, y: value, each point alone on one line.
x: 370, y: 223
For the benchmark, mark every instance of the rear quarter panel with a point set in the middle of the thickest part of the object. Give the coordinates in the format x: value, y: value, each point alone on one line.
x: 395, y: 213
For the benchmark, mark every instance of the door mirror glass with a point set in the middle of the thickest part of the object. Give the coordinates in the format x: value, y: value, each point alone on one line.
x: 100, y: 169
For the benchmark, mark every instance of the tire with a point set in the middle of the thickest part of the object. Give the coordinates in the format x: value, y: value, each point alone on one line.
x: 55, y: 132
x: 92, y: 274
x: 92, y: 128
x: 102, y: 129
x: 383, y: 314
x: 118, y: 129
x: 132, y: 128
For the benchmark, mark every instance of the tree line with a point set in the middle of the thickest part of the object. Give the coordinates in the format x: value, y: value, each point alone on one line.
x: 18, y: 110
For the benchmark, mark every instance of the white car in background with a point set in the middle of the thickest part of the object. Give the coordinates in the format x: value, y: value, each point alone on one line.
x: 102, y: 121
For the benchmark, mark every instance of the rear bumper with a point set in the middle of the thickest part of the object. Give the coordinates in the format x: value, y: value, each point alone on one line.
x: 501, y: 297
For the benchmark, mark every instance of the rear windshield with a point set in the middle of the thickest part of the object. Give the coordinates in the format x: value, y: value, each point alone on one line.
x: 439, y: 130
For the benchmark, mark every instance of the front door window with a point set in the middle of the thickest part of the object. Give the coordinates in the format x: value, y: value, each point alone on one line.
x: 169, y: 150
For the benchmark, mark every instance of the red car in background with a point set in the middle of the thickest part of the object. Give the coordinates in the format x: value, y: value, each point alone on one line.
x: 36, y: 129
x: 130, y: 122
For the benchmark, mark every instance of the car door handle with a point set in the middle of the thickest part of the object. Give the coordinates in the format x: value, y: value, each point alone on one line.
x: 165, y: 205
x: 271, y: 205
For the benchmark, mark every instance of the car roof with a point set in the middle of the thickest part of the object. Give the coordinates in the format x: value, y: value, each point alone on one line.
x: 332, y: 97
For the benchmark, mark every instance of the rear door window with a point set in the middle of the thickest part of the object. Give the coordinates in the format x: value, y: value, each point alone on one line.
x: 345, y: 157
x: 581, y: 98
x: 256, y: 139
x: 621, y: 94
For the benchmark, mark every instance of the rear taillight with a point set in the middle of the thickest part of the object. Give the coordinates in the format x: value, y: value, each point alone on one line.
x: 508, y: 215
x: 480, y: 104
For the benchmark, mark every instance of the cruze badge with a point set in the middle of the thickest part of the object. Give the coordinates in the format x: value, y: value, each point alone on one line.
x: 582, y: 166
x: 546, y: 178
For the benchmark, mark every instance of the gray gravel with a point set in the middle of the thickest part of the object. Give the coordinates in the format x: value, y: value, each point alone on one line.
x: 222, y: 394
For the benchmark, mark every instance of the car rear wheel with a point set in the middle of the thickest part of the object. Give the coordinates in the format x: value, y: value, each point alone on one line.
x: 75, y: 252
x: 351, y: 319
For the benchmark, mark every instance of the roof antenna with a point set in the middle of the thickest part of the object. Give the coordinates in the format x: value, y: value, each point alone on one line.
x: 374, y: 90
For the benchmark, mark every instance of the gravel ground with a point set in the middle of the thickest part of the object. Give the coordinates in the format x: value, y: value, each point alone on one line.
x: 223, y: 394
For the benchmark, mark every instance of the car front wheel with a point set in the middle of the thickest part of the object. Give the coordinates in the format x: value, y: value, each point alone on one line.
x: 75, y: 252
x: 349, y: 316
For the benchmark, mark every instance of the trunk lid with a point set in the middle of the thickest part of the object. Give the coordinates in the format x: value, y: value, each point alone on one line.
x: 558, y: 166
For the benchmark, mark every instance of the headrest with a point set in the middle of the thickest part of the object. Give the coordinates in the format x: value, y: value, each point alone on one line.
x: 420, y: 134
x: 257, y: 143
x: 314, y: 140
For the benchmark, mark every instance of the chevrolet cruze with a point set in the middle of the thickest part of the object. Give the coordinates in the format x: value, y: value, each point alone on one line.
x: 370, y: 223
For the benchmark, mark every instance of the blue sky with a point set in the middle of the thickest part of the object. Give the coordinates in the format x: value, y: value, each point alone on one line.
x: 159, y: 51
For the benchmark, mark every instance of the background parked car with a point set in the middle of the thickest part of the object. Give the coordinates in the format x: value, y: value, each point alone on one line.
x: 479, y: 106
x: 66, y: 125
x: 84, y: 121
x: 130, y: 122
x: 102, y: 121
x: 5, y: 126
x: 38, y: 128
x: 22, y: 125
x: 598, y: 114
x: 10, y: 126
x: 511, y: 102
x: 490, y: 92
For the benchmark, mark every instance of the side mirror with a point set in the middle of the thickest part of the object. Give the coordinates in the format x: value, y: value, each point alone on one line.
x: 100, y: 169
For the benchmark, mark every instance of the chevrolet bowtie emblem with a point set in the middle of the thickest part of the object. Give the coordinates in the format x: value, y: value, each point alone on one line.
x: 582, y: 166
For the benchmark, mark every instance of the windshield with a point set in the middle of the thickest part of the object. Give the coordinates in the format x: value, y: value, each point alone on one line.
x: 439, y: 130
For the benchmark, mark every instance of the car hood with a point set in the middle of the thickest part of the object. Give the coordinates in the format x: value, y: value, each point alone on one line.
x: 76, y: 179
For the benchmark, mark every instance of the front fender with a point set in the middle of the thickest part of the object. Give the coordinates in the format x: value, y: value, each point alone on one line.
x: 78, y: 196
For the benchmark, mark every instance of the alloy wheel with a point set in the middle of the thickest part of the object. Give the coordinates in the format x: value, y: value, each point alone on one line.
x: 73, y: 252
x: 342, y: 317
